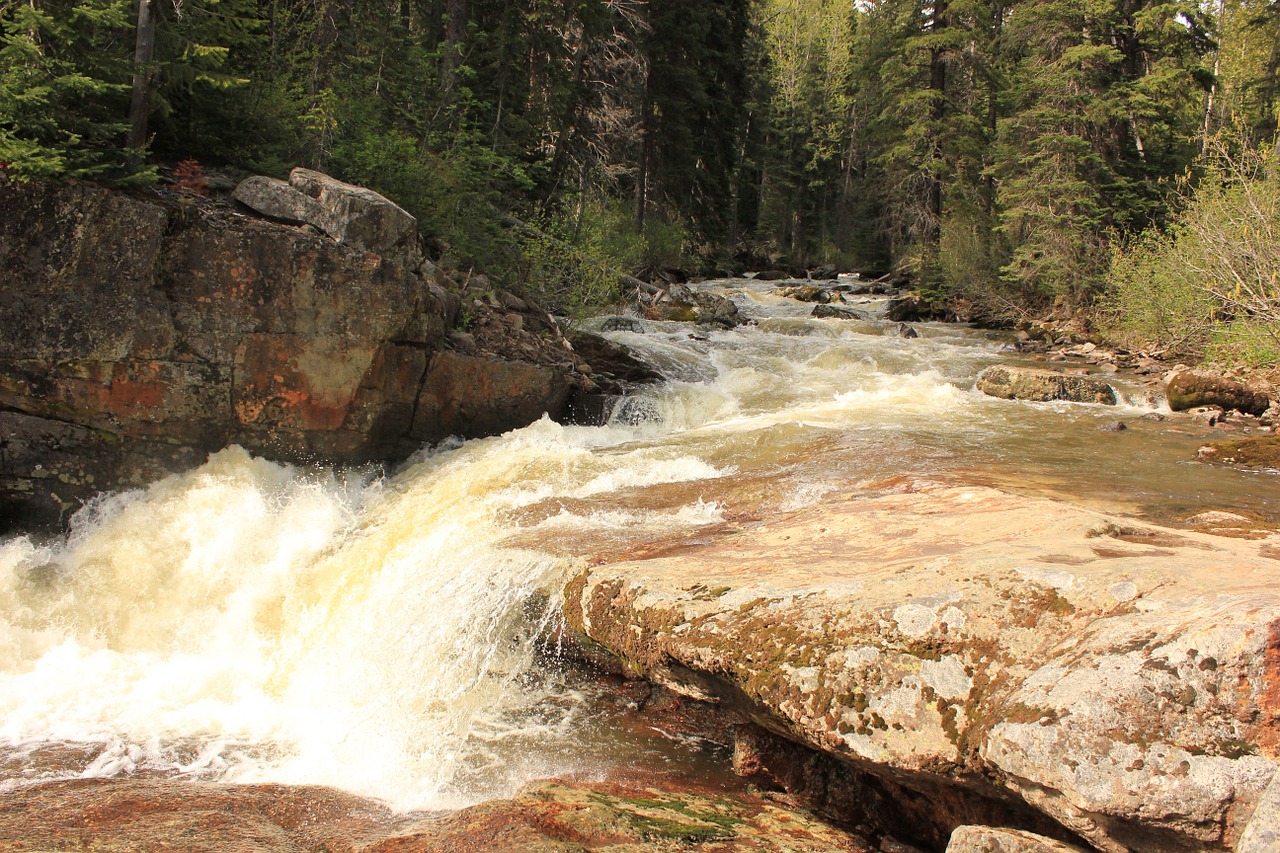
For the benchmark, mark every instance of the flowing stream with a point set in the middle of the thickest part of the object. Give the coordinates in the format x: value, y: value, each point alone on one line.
x: 388, y: 634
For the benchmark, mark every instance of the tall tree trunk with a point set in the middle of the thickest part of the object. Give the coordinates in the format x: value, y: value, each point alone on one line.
x: 643, y: 164
x: 455, y: 33
x: 938, y: 86
x: 144, y: 50
x: 1213, y: 89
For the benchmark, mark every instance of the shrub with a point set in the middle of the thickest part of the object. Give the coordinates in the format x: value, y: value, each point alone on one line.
x: 1210, y: 283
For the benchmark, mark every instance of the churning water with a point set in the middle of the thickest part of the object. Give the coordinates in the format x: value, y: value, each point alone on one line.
x: 388, y: 634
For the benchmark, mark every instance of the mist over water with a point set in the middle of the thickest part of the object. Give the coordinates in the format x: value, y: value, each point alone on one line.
x: 250, y: 621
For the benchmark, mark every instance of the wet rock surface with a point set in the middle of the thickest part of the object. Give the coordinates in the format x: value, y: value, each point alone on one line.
x: 646, y: 816
x: 1024, y: 383
x: 839, y: 312
x: 1116, y: 678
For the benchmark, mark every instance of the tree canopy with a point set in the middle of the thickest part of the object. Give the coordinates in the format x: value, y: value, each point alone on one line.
x: 994, y: 149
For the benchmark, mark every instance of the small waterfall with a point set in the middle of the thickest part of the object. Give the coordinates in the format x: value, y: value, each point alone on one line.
x: 250, y: 621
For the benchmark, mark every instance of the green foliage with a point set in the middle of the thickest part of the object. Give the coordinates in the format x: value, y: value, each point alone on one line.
x: 1105, y: 102
x: 1209, y: 283
x: 455, y: 195
x: 1155, y: 301
x: 993, y: 149
x: 64, y: 90
x: 573, y: 264
x: 565, y: 277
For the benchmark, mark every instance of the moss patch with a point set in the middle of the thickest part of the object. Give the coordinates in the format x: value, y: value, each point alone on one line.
x: 1257, y: 453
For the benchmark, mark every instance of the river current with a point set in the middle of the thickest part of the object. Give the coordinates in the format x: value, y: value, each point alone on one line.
x: 392, y: 633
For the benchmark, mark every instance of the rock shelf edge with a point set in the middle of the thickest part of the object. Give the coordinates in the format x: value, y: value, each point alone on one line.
x: 966, y: 656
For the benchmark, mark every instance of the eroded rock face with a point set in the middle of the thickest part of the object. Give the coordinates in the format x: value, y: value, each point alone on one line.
x: 1118, y: 678
x: 1024, y: 383
x: 140, y: 816
x: 137, y: 336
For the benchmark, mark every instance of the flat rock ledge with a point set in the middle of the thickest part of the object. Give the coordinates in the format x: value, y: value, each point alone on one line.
x: 962, y: 645
x: 146, y: 815
x: 1025, y: 383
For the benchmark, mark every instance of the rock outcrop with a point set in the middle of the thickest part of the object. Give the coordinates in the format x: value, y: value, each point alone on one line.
x: 949, y: 644
x: 1024, y: 383
x: 137, y: 335
x: 1190, y: 389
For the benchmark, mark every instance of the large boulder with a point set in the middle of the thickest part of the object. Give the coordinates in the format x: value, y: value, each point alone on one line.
x: 360, y: 217
x: 1190, y: 389
x: 1025, y: 383
x: 952, y: 642
x: 278, y: 200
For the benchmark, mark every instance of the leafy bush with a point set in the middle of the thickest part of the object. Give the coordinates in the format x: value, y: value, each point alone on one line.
x: 1210, y: 283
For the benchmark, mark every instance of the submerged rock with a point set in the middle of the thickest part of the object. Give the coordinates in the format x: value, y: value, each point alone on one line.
x: 1262, y: 452
x: 622, y: 324
x: 1191, y: 389
x: 965, y: 646
x: 808, y: 293
x: 1025, y: 383
x: 903, y: 330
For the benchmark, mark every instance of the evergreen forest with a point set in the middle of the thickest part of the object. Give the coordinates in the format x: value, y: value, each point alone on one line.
x: 1114, y: 157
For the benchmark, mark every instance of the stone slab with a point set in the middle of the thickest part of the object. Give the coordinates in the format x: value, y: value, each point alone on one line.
x: 1122, y: 678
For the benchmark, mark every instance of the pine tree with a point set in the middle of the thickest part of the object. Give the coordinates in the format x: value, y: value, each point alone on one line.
x: 1105, y: 104
x: 64, y: 89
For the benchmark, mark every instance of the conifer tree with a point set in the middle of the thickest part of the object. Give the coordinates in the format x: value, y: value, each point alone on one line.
x: 64, y: 89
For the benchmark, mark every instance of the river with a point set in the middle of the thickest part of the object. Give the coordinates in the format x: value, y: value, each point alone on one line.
x: 392, y: 633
